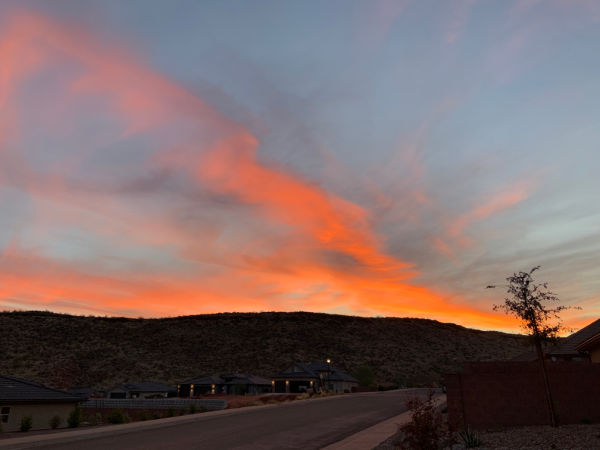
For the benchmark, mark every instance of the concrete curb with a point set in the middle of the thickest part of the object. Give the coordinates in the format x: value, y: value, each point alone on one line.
x: 373, y: 436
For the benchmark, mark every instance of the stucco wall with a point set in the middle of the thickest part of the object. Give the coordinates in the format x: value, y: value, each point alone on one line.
x: 497, y: 394
x: 595, y: 355
x: 41, y: 415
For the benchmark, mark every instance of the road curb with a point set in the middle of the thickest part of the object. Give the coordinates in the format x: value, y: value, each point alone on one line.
x: 373, y: 436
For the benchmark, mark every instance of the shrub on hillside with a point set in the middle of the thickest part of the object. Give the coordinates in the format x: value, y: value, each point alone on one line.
x: 26, y: 423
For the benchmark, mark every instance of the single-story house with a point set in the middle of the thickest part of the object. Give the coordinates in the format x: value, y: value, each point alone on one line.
x: 581, y: 346
x: 242, y: 383
x: 229, y: 383
x: 145, y: 389
x: 20, y: 398
x: 200, y: 386
x: 301, y: 377
x: 87, y: 392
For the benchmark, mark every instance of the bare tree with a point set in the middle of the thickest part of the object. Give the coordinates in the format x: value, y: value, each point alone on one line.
x: 538, y: 311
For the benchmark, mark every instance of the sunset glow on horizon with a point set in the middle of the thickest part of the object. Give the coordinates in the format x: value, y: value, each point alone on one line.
x: 374, y: 160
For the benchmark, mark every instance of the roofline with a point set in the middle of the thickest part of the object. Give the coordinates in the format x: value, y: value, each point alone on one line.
x: 19, y: 401
x: 590, y: 341
x: 68, y: 397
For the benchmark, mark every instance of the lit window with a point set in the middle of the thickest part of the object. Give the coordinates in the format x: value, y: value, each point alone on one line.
x: 4, y: 412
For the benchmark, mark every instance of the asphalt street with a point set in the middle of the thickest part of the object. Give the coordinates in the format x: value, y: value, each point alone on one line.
x: 309, y: 424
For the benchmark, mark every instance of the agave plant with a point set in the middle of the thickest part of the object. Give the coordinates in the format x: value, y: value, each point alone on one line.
x: 470, y: 438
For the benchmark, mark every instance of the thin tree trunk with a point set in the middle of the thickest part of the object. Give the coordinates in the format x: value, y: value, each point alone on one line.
x: 540, y: 353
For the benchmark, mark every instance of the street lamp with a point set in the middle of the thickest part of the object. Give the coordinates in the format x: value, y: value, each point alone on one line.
x: 328, y: 374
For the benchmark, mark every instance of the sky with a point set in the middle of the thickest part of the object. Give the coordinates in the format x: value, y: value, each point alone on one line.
x: 372, y: 158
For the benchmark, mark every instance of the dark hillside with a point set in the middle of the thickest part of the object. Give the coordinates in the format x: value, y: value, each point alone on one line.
x: 65, y: 351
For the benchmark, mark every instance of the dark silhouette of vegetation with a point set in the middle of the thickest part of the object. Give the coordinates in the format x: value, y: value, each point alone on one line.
x: 55, y: 422
x: 118, y: 416
x: 470, y: 438
x: 26, y: 423
x: 537, y: 309
x: 74, y: 419
x: 426, y: 429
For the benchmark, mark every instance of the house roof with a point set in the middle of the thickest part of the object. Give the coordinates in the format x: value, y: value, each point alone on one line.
x: 229, y: 378
x: 16, y: 390
x: 144, y: 386
x: 313, y: 370
x: 572, y: 344
x: 244, y: 378
x: 210, y: 380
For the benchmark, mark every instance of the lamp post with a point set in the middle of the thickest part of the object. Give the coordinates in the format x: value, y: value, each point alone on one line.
x: 328, y: 374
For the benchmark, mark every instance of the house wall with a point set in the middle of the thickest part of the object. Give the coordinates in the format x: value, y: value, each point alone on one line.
x: 595, y: 355
x: 496, y: 394
x: 341, y: 386
x: 41, y: 415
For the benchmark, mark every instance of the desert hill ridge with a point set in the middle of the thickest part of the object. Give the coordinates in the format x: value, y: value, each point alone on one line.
x: 64, y: 350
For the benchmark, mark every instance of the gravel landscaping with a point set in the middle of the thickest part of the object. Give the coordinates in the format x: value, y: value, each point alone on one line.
x: 543, y: 437
x: 566, y: 437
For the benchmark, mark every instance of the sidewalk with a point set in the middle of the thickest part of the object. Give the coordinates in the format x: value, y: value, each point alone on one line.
x: 373, y: 436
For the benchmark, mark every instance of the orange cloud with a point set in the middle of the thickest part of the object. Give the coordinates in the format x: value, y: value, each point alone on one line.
x: 290, y: 268
x: 498, y: 202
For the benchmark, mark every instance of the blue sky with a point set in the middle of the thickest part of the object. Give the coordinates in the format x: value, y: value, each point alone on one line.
x: 372, y: 158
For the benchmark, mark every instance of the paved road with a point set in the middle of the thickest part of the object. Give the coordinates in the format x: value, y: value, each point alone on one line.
x: 303, y: 425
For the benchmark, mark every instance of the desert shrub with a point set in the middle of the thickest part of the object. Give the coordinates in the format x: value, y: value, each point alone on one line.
x: 55, y: 422
x: 425, y: 429
x: 192, y: 408
x: 470, y: 438
x: 74, y: 419
x: 170, y: 412
x: 156, y: 415
x: 96, y: 419
x: 117, y: 416
x: 143, y: 415
x: 26, y: 423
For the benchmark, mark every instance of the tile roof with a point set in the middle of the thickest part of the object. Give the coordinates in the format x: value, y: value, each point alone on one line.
x: 243, y: 378
x: 144, y: 386
x: 230, y: 378
x: 568, y: 346
x: 312, y: 370
x: 210, y: 380
x: 16, y: 390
